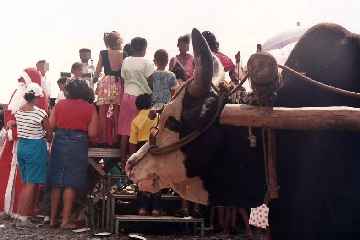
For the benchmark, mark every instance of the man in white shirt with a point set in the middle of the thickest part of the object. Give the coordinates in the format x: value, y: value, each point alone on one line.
x: 87, y: 70
x: 43, y: 67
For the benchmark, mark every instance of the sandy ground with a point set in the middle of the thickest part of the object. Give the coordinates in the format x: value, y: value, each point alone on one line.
x: 9, y: 232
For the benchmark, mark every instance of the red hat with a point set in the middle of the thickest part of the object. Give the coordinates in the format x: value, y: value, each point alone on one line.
x: 31, y: 75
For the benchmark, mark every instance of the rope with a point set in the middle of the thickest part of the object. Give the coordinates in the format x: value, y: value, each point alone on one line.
x: 319, y: 84
x: 266, y: 155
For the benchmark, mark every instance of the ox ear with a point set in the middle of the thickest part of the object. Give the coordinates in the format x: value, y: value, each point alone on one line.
x: 200, y: 86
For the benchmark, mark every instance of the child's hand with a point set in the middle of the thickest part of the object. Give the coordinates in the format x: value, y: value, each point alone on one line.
x: 10, y: 124
x: 152, y: 114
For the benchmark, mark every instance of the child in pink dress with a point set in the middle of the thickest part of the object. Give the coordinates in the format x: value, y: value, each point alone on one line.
x: 137, y: 73
x: 183, y: 63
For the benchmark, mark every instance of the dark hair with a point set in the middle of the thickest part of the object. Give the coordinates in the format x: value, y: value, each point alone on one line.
x: 211, y: 40
x: 184, y: 39
x: 40, y: 62
x: 79, y: 89
x: 84, y: 50
x: 62, y: 80
x: 30, y: 96
x: 127, y: 51
x: 143, y: 101
x: 106, y: 39
x: 114, y: 40
x: 138, y: 44
x: 76, y: 66
x: 161, y: 57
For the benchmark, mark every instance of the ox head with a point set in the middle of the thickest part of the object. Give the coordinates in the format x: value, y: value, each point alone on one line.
x: 192, y: 104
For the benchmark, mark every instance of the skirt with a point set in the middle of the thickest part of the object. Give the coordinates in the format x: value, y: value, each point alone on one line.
x: 69, y: 160
x: 109, y: 90
x: 127, y: 113
x: 32, y: 156
x: 108, y: 125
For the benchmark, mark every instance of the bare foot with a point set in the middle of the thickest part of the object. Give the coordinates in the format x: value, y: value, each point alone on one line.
x: 155, y: 213
x: 142, y: 212
x: 68, y: 226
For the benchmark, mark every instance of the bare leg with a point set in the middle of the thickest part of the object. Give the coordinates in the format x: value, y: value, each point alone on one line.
x: 221, y: 217
x: 267, y: 234
x: 184, y: 210
x: 36, y: 200
x: 233, y: 218
x: 124, y: 145
x: 228, y: 218
x: 68, y: 198
x: 185, y: 205
x: 55, y: 201
x: 245, y: 217
x: 27, y: 199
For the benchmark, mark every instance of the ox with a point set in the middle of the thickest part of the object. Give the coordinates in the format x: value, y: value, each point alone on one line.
x: 317, y: 170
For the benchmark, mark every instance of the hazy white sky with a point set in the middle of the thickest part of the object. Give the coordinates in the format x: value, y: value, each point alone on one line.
x: 55, y: 30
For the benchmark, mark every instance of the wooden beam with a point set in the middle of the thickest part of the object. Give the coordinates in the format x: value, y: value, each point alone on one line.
x: 306, y: 118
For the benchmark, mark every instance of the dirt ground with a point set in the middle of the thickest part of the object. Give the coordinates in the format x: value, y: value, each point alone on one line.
x: 9, y: 232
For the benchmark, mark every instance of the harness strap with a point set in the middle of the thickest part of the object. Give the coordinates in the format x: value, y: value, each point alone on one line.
x: 155, y: 150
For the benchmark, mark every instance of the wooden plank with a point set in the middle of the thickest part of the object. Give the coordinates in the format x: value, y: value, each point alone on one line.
x: 138, y: 218
x: 133, y: 196
x: 104, y: 153
x: 306, y: 118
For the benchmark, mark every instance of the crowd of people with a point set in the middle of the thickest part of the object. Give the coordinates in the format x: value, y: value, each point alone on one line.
x: 111, y: 106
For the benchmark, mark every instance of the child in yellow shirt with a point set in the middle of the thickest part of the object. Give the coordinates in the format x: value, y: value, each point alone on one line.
x: 139, y: 135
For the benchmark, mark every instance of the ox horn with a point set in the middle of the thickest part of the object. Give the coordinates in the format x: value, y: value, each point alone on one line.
x: 200, y: 86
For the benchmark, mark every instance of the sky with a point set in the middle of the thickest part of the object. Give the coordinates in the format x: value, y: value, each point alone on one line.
x: 54, y: 30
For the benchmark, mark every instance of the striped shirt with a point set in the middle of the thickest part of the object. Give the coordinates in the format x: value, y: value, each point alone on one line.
x: 29, y: 123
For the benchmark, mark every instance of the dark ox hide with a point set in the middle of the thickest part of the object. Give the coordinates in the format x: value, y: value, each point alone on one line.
x: 231, y: 170
x: 217, y: 168
x: 318, y: 171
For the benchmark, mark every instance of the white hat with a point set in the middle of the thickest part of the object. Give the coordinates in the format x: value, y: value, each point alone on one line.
x: 34, y: 88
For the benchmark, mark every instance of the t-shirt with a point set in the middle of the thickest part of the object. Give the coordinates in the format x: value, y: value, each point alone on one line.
x: 74, y: 114
x: 135, y: 71
x: 60, y: 96
x: 29, y: 123
x: 226, y: 62
x: 163, y: 82
x: 183, y: 67
x: 140, y: 127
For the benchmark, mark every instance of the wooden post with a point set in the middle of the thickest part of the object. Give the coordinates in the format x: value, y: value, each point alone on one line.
x: 306, y: 118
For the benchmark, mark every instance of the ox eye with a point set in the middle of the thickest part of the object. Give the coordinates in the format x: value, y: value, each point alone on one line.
x: 173, y: 124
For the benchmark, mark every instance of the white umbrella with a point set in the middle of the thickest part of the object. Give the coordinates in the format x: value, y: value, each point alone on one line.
x: 281, y: 45
x: 285, y: 38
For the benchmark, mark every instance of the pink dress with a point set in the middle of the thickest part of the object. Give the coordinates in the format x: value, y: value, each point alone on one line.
x: 109, y: 92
